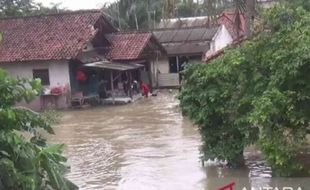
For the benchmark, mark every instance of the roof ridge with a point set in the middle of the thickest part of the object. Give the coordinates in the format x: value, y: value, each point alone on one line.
x: 186, y: 28
x: 132, y: 32
x: 66, y: 12
x: 184, y: 18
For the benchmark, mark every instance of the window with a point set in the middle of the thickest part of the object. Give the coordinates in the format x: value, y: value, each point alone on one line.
x: 43, y: 75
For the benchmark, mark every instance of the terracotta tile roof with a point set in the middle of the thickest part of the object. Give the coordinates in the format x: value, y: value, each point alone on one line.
x: 46, y: 37
x: 228, y: 18
x: 129, y: 46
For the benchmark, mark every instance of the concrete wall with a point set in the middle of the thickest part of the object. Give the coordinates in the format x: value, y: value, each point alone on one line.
x: 153, y: 67
x: 221, y: 39
x: 165, y: 78
x: 158, y: 66
x: 163, y: 65
x: 58, y: 73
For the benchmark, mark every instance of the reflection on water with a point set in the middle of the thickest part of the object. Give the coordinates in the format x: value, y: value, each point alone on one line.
x: 144, y: 145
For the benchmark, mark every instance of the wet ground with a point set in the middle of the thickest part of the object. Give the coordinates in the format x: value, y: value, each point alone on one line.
x: 148, y: 145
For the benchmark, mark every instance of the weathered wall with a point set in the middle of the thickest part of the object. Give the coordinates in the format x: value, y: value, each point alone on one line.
x: 221, y: 39
x: 163, y: 65
x: 165, y: 78
x: 58, y: 75
x: 153, y: 67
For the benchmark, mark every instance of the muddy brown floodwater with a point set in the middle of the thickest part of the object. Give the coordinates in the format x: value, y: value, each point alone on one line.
x: 147, y: 145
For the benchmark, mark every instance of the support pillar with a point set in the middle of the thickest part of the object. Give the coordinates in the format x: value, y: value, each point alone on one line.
x: 112, y: 87
x: 130, y: 84
x: 178, y: 66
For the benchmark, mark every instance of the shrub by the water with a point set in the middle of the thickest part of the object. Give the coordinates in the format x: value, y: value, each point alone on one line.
x: 258, y: 93
x: 26, y: 161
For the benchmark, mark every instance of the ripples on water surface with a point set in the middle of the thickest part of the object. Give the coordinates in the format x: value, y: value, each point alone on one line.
x: 145, y: 145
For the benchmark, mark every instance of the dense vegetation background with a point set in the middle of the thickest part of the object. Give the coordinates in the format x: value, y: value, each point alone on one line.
x: 144, y: 14
x: 26, y: 161
x: 257, y: 93
x: 12, y: 8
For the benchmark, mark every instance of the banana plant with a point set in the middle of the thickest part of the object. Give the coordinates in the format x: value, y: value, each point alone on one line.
x: 26, y: 160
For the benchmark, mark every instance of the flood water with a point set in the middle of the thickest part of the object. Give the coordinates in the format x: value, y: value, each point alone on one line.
x: 148, y: 145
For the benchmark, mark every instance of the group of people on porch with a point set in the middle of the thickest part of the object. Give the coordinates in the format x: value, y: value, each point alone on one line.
x: 91, y: 83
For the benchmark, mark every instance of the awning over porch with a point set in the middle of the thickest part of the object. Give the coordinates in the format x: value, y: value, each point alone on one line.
x: 116, y: 69
x: 114, y: 65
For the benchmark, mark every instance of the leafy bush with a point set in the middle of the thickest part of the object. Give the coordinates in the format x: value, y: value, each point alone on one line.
x: 258, y: 93
x: 26, y: 163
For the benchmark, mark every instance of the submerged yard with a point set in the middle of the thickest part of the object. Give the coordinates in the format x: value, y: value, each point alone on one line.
x: 148, y: 145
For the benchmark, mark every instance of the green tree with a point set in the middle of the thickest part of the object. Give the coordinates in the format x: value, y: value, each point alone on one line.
x: 13, y: 8
x: 258, y: 94
x: 53, y: 9
x: 9, y: 8
x: 144, y: 14
x: 134, y: 14
x: 26, y: 161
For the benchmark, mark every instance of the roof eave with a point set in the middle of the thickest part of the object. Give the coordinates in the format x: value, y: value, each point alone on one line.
x: 34, y: 60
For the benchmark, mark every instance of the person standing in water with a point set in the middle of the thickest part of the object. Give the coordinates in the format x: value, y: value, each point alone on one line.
x: 135, y: 87
x: 145, y: 89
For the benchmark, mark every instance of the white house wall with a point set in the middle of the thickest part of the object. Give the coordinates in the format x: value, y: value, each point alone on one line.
x: 58, y: 76
x: 163, y: 65
x: 221, y: 39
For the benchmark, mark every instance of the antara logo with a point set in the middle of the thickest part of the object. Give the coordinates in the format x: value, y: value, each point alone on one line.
x: 228, y: 187
x: 273, y: 188
x: 231, y: 187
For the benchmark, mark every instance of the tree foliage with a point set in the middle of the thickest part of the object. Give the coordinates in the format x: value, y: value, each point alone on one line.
x: 26, y: 161
x: 13, y: 8
x: 142, y: 14
x: 134, y: 14
x: 16, y: 7
x: 258, y: 93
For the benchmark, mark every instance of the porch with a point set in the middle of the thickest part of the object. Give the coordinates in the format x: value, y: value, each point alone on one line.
x: 106, y: 82
x: 122, y: 85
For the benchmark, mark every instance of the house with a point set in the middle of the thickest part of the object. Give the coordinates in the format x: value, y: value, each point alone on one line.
x: 187, y: 39
x: 236, y: 23
x: 139, y: 47
x: 229, y: 18
x: 56, y: 47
